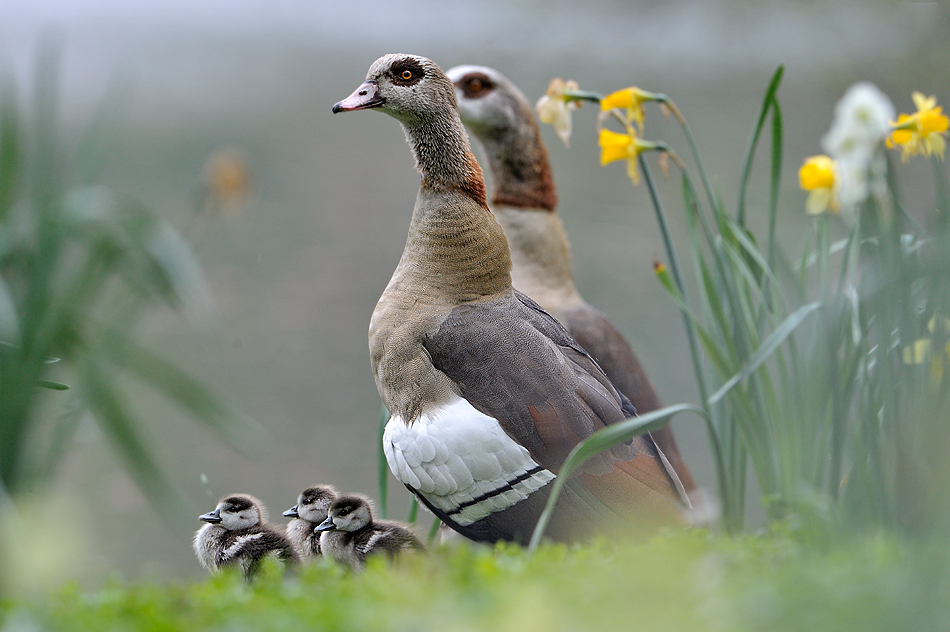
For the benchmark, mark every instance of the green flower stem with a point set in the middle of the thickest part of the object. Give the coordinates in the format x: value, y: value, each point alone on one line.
x: 677, y: 278
x: 382, y: 465
x: 943, y: 190
x: 769, y: 103
x: 582, y: 95
x: 726, y: 497
x: 433, y: 531
x: 662, y: 98
x: 910, y: 222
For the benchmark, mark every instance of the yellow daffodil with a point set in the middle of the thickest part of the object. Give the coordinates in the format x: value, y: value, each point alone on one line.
x: 817, y: 176
x: 554, y: 108
x: 923, y: 131
x: 631, y: 99
x: 921, y: 350
x: 627, y: 147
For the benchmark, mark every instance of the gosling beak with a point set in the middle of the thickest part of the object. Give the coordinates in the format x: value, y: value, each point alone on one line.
x: 364, y: 98
x: 292, y: 512
x: 326, y: 525
x: 213, y: 517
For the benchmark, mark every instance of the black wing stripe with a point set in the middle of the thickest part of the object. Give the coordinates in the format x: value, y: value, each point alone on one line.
x: 509, y: 486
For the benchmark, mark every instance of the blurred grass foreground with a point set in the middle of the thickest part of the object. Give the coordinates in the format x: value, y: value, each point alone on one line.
x: 825, y: 375
x: 682, y: 581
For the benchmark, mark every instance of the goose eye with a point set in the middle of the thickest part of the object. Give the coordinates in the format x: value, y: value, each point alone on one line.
x: 475, y: 84
x: 406, y: 75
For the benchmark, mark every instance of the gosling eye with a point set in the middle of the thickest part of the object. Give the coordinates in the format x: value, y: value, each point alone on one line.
x: 475, y: 84
x: 406, y: 75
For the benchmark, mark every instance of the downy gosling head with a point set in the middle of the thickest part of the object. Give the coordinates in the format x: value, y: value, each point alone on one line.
x: 236, y: 535
x: 350, y: 535
x: 310, y: 511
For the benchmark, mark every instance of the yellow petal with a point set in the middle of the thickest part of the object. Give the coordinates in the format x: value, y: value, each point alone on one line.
x: 632, y: 171
x: 819, y: 201
x: 900, y: 136
x: 944, y: 322
x: 610, y: 153
x: 917, y: 353
x: 818, y: 172
x: 936, y: 145
x: 933, y: 121
x: 609, y: 138
x: 922, y: 102
x: 619, y: 99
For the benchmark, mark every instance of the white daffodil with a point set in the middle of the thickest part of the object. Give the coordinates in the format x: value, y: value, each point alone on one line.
x: 554, y: 109
x: 862, y: 122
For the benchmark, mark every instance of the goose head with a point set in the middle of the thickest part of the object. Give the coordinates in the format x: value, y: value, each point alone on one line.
x: 502, y: 118
x: 410, y: 88
x: 415, y: 91
x: 347, y: 513
x: 312, y: 504
x: 490, y: 104
x: 236, y: 512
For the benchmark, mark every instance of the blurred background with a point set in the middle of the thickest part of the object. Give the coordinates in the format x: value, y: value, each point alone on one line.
x: 311, y: 209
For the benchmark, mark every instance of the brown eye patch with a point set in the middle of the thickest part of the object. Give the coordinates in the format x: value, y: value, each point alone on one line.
x: 407, y: 72
x: 476, y: 85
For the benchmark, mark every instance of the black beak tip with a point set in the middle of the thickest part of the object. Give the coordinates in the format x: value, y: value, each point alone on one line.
x: 338, y: 107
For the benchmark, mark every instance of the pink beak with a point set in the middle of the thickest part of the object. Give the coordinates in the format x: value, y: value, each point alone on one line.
x: 364, y: 98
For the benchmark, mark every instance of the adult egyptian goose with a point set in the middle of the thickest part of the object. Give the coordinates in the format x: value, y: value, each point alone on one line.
x: 487, y: 392
x: 310, y: 510
x: 237, y: 535
x: 349, y: 535
x: 524, y: 200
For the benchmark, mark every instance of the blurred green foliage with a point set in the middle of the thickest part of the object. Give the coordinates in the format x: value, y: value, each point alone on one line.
x: 677, y: 581
x: 80, y: 265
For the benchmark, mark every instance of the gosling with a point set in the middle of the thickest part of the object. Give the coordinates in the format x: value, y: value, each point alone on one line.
x: 237, y: 535
x: 349, y: 535
x: 310, y: 511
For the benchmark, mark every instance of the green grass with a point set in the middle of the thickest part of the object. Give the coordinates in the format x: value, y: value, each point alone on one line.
x: 678, y: 581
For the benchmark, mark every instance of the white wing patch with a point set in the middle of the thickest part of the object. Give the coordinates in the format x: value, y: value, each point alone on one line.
x: 462, y: 461
x: 239, y: 544
x: 373, y: 539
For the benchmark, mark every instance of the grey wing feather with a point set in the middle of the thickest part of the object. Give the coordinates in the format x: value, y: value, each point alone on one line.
x: 546, y: 391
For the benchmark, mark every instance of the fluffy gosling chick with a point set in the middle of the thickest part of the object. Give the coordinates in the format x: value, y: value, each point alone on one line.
x: 349, y: 534
x: 237, y: 535
x: 310, y: 511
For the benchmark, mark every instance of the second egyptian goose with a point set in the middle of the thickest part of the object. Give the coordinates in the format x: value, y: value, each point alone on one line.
x: 524, y: 200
